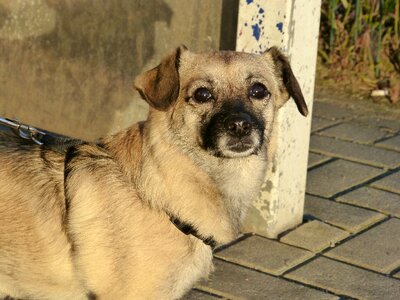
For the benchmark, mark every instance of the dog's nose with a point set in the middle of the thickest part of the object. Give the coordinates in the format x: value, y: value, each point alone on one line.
x: 238, y: 125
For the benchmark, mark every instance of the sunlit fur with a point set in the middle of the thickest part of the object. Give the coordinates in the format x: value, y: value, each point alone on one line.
x: 94, y: 223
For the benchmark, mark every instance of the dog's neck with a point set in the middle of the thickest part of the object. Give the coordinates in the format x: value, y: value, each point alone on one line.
x: 206, y: 201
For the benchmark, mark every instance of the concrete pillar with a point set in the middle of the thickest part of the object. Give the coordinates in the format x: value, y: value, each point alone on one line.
x: 293, y: 27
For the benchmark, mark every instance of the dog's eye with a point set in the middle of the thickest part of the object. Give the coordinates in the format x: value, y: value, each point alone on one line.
x: 259, y: 91
x: 202, y: 95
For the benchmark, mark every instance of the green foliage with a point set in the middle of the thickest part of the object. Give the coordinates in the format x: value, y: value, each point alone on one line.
x: 361, y: 37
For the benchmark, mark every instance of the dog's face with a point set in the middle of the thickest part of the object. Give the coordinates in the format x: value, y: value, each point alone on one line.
x: 222, y: 103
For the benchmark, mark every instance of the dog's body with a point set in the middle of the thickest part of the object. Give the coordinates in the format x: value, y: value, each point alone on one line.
x: 96, y: 222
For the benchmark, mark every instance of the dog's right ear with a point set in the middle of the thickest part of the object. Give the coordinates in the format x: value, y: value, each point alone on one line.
x: 160, y: 86
x: 289, y: 81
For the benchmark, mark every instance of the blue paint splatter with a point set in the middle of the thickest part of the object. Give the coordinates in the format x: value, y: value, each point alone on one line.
x: 279, y: 26
x: 256, y: 31
x: 261, y: 11
x: 249, y: 1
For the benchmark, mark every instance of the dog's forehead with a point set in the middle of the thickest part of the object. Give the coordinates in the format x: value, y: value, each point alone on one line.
x: 225, y: 65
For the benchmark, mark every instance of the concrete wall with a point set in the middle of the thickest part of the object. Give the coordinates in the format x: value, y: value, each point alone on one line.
x: 68, y: 65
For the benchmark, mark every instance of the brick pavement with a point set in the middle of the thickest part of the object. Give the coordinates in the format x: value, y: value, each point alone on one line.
x: 349, y: 244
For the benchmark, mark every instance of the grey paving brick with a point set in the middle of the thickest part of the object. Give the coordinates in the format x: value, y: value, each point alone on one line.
x: 388, y: 125
x: 376, y: 249
x: 236, y: 282
x: 350, y: 218
x: 390, y: 183
x: 392, y: 143
x: 361, y: 153
x: 346, y: 280
x: 314, y: 236
x: 318, y: 123
x: 265, y: 255
x: 316, y: 159
x: 385, y: 202
x: 353, y: 132
x: 198, y: 295
x: 339, y: 175
x: 331, y: 111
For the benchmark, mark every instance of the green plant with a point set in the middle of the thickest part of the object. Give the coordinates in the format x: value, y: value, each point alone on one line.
x: 360, y: 39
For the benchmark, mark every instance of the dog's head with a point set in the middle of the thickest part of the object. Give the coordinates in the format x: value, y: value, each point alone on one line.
x: 221, y: 102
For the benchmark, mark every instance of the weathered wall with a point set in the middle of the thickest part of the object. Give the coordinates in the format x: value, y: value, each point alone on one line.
x: 68, y: 65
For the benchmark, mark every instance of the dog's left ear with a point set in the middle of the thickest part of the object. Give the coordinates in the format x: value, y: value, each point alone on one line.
x: 290, y: 83
x: 160, y: 85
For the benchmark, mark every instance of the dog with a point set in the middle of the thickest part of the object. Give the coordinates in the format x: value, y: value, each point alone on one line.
x: 137, y: 214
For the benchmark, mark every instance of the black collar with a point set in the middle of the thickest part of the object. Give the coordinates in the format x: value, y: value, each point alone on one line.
x: 189, y: 229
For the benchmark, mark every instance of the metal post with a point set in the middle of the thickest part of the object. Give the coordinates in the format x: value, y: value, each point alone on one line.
x: 293, y: 27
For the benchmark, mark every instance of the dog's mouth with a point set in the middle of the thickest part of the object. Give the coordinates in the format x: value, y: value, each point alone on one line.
x: 234, y: 147
x: 239, y: 144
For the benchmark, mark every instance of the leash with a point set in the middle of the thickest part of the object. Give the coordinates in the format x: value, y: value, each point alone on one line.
x: 40, y: 137
x: 24, y: 131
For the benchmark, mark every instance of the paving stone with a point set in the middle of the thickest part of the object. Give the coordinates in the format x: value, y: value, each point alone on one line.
x: 344, y: 279
x: 265, y: 255
x: 336, y: 176
x: 331, y: 111
x: 377, y: 249
x: 318, y: 123
x: 361, y: 153
x: 233, y: 282
x: 314, y: 236
x: 385, y: 202
x: 198, y: 295
x: 350, y: 218
x: 392, y: 143
x: 389, y: 125
x: 316, y: 159
x: 353, y: 132
x: 390, y: 183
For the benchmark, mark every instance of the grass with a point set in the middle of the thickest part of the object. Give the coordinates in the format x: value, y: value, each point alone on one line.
x: 359, y: 45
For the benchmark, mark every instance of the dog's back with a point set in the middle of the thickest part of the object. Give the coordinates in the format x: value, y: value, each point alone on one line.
x: 32, y: 212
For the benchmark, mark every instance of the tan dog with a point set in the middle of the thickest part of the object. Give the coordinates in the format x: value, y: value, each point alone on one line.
x: 136, y: 215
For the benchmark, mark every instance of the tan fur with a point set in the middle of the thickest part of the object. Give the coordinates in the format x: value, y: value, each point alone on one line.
x: 95, y: 223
